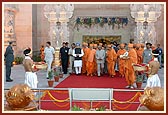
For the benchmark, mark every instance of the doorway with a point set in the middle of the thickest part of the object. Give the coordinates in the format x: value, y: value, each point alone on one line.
x: 93, y: 39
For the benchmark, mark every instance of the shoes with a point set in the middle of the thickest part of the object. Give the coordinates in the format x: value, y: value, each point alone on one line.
x: 10, y: 80
x: 144, y: 81
x: 127, y: 86
x: 131, y: 87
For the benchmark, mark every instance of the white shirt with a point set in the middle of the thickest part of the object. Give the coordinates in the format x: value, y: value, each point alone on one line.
x: 49, y: 51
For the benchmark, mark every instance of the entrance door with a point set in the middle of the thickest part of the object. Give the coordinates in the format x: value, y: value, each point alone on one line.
x: 101, y: 39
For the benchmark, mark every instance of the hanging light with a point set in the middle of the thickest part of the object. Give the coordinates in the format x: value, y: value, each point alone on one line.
x: 145, y: 24
x: 58, y: 24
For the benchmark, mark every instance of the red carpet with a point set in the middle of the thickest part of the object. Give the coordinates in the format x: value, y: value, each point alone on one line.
x: 74, y: 81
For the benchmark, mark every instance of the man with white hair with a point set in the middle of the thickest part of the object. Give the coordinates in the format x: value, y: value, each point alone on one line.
x: 100, y: 56
x: 78, y: 53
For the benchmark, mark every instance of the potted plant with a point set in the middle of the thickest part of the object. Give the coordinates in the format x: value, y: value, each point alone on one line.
x: 139, y: 79
x: 50, y: 81
x: 56, y: 75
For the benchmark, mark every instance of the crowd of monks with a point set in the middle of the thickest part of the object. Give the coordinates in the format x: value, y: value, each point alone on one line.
x: 113, y: 59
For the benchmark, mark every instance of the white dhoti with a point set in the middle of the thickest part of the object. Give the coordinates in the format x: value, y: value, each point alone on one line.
x: 153, y: 81
x: 78, y: 63
x: 31, y: 79
x: 78, y: 66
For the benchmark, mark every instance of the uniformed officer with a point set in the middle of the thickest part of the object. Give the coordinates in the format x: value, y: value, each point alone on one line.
x: 9, y: 58
x: 64, y: 57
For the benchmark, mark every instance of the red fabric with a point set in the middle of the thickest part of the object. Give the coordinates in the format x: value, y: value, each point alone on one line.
x: 74, y: 81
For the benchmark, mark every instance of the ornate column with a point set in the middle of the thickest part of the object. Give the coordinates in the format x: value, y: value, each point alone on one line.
x: 10, y: 11
x: 145, y: 17
x: 58, y: 15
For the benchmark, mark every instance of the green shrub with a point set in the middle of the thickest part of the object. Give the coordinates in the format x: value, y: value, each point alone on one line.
x: 76, y: 108
x: 50, y: 75
x: 36, y: 58
x: 102, y: 108
x: 18, y: 60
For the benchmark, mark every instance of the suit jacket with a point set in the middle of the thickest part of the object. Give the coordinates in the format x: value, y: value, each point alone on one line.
x: 9, y: 57
x: 100, y: 54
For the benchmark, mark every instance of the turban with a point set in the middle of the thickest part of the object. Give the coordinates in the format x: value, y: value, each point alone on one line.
x: 130, y: 45
x: 27, y: 52
x: 155, y: 52
x: 77, y: 44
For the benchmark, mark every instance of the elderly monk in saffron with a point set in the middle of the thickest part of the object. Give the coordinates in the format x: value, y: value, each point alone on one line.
x: 84, y: 58
x: 139, y: 53
x: 90, y: 60
x: 111, y: 58
x: 129, y: 71
x: 121, y: 61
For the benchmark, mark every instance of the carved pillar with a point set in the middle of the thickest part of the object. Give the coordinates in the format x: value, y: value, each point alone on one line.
x: 10, y: 11
x: 58, y: 15
x: 145, y: 16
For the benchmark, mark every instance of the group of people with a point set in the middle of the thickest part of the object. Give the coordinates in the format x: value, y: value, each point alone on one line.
x: 98, y: 59
x: 94, y: 59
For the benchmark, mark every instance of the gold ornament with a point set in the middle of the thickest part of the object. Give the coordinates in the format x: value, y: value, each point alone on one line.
x: 153, y: 99
x: 19, y: 96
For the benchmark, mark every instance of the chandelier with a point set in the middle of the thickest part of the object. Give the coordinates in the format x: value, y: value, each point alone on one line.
x: 58, y: 12
x: 145, y: 12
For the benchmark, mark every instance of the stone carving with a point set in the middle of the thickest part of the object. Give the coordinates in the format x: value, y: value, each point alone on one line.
x: 9, y: 23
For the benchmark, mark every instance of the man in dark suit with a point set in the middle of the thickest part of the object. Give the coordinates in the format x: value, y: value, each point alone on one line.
x: 9, y: 58
x: 64, y: 57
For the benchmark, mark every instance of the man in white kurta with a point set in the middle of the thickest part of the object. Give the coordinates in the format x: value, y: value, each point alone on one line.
x: 71, y: 58
x: 153, y: 78
x: 30, y: 75
x: 100, y: 56
x: 49, y: 56
x: 78, y: 53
